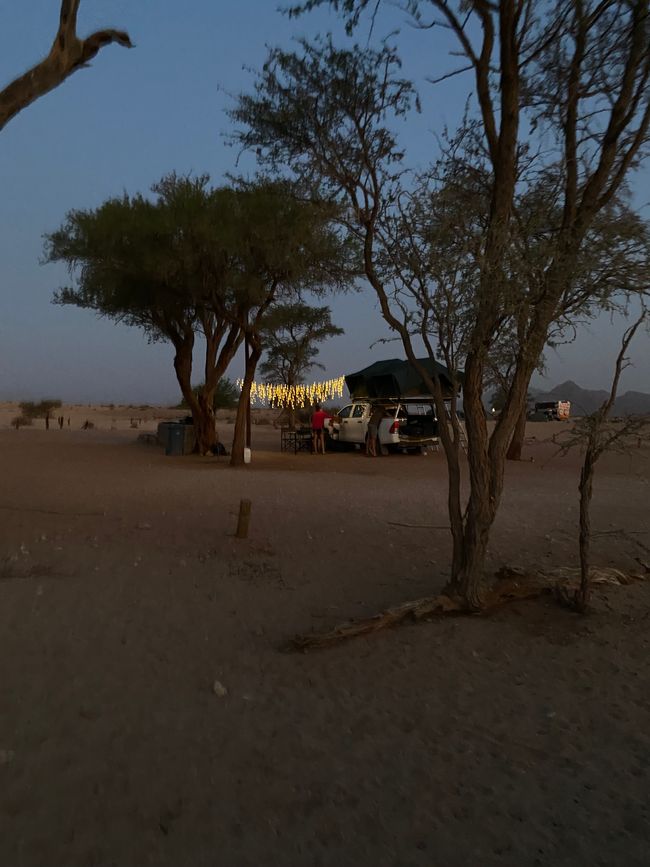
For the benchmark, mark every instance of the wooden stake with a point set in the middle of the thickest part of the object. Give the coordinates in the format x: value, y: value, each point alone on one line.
x: 244, y: 519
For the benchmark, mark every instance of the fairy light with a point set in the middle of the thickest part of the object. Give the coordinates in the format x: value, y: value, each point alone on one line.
x: 295, y: 396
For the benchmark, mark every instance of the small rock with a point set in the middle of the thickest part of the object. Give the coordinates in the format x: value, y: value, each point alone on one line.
x: 219, y: 689
x: 143, y: 526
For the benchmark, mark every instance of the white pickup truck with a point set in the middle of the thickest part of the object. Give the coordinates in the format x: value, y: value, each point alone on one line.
x: 408, y: 424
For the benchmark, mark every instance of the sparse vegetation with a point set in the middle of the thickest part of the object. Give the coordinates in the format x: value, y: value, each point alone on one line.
x: 43, y: 409
x: 578, y: 73
x: 22, y: 421
x: 226, y: 395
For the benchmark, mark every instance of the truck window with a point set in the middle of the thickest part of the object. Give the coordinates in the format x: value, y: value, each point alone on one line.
x: 345, y: 412
x: 359, y: 410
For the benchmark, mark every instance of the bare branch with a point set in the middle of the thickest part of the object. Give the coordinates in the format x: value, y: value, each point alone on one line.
x: 67, y: 54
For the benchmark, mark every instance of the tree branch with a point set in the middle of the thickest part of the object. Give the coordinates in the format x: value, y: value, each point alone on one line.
x: 67, y: 54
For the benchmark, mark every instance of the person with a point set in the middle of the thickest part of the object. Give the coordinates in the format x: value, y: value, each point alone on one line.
x: 373, y: 431
x: 318, y: 429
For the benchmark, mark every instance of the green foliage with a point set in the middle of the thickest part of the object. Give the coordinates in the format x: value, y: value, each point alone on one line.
x: 152, y: 264
x: 291, y: 332
x: 22, y: 421
x: 195, y: 259
x: 42, y: 409
x: 226, y: 394
x: 322, y: 113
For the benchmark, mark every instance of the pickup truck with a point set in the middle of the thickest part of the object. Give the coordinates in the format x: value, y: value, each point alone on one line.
x: 409, y: 425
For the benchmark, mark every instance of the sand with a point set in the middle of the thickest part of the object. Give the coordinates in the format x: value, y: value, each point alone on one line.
x: 518, y: 739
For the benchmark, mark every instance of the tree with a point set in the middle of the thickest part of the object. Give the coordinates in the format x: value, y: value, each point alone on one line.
x: 580, y: 72
x: 166, y: 266
x: 67, y: 54
x: 43, y: 409
x: 435, y: 247
x: 285, y: 246
x: 199, y: 260
x: 226, y: 394
x: 598, y: 434
x: 291, y: 333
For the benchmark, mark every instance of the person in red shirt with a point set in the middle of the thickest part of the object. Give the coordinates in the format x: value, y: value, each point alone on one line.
x: 318, y: 429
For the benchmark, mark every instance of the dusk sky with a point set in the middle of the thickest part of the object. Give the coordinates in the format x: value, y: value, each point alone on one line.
x: 136, y: 115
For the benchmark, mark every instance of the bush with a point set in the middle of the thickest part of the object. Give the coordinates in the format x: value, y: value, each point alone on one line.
x: 22, y: 421
x: 226, y: 395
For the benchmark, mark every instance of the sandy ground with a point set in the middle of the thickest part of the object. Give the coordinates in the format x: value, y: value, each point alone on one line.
x: 519, y: 739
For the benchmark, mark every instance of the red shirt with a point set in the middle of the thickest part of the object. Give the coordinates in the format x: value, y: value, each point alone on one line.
x: 318, y: 419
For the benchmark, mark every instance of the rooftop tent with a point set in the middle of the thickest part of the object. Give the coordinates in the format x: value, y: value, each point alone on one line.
x: 395, y: 378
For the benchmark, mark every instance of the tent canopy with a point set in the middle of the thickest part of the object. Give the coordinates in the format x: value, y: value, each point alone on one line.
x: 396, y: 378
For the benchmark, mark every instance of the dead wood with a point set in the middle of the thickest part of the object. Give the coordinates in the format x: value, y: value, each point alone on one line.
x: 67, y: 54
x: 512, y: 583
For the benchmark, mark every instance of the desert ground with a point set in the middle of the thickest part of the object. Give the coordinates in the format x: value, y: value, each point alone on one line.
x: 520, y: 738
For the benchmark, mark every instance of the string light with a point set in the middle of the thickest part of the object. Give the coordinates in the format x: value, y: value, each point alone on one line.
x: 295, y: 396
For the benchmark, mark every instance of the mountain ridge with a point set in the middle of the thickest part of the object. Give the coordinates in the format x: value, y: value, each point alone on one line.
x: 585, y: 400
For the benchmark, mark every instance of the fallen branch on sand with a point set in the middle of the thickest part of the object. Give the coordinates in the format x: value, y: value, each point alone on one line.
x: 512, y: 583
x: 419, y: 526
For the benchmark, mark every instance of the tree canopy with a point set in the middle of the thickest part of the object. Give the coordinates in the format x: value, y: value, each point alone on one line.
x: 292, y: 333
x: 573, y: 75
x: 199, y: 260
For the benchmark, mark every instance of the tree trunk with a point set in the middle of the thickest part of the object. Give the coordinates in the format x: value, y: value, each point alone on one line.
x: 202, y: 413
x: 205, y: 426
x: 239, y: 437
x: 517, y: 442
x: 467, y: 579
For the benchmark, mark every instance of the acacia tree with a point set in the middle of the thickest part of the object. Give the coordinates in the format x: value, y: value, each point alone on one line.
x: 435, y: 244
x: 43, y: 409
x: 581, y: 70
x: 166, y: 266
x: 611, y: 266
x: 285, y: 245
x: 291, y: 334
x: 67, y: 54
x: 597, y: 433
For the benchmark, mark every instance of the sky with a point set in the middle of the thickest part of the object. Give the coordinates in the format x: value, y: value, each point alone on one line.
x: 133, y: 116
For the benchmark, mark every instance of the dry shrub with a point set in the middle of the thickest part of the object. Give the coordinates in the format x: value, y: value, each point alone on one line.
x: 22, y: 421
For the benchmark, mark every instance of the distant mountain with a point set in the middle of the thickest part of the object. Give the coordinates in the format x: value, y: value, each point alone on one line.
x: 633, y: 403
x: 585, y: 400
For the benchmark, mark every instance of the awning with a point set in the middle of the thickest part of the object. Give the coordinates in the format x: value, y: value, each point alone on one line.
x: 396, y: 378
